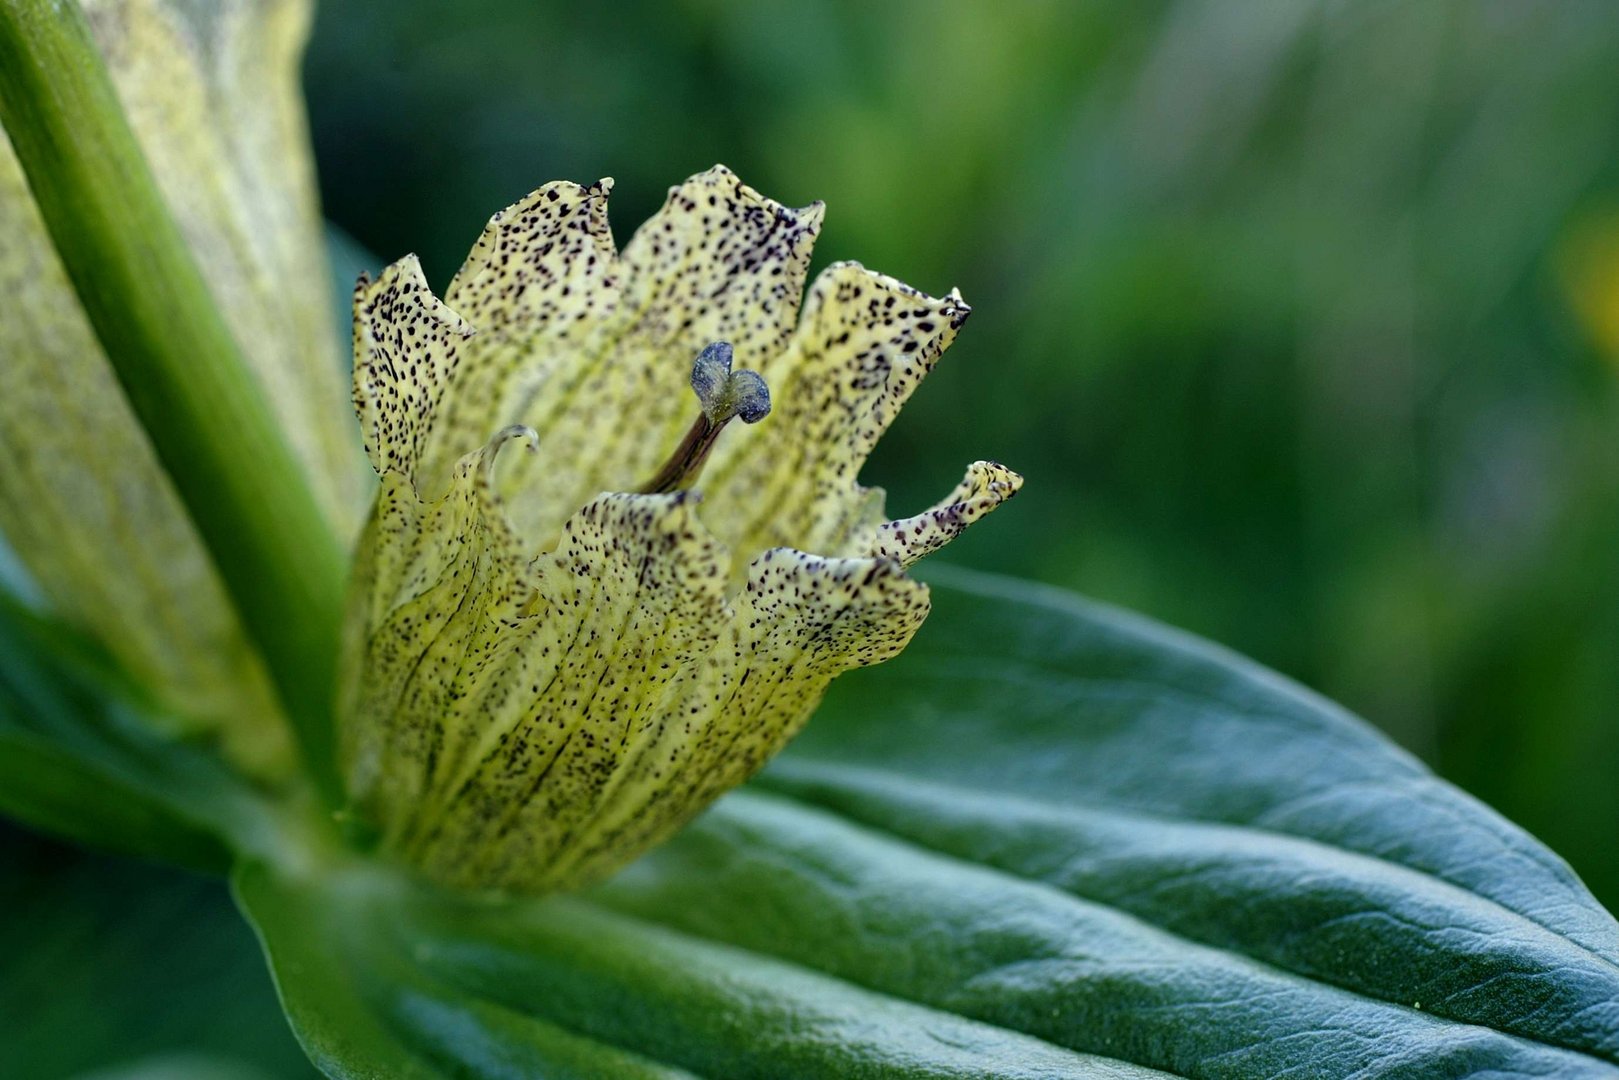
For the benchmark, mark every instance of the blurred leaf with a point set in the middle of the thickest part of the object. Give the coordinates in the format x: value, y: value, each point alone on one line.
x: 77, y: 758
x: 179, y: 1067
x: 44, y: 788
x: 140, y: 970
x: 1050, y: 831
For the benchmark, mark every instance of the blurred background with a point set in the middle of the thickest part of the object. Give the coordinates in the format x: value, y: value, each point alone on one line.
x: 1302, y: 320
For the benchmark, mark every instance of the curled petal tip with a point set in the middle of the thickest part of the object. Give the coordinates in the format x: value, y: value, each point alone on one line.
x: 491, y: 451
x: 530, y: 437
x: 998, y: 478
x: 986, y: 486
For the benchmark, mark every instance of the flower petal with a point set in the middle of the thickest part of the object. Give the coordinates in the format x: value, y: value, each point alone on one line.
x: 539, y: 286
x: 535, y: 724
x: 594, y: 350
x: 213, y: 94
x: 864, y: 343
x: 719, y: 262
x: 986, y: 485
x: 801, y: 621
x: 494, y: 697
x: 427, y: 576
x: 407, y: 345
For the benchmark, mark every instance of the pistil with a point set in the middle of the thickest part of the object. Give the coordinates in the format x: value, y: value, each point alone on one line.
x: 723, y: 395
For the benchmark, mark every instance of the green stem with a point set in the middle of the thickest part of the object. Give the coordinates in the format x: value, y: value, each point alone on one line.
x: 176, y: 359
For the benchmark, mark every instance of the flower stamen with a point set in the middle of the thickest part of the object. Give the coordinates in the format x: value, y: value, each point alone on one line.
x: 724, y: 395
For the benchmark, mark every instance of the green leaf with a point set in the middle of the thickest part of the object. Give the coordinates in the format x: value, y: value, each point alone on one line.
x: 79, y: 759
x: 1051, y: 840
x: 179, y: 1067
x: 141, y: 970
x: 43, y: 787
x: 383, y: 978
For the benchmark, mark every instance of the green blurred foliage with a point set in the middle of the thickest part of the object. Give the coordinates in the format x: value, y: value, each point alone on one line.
x: 1298, y: 317
x: 117, y: 970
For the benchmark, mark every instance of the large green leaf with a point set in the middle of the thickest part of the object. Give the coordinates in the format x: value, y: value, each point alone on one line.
x: 81, y: 756
x: 131, y: 970
x: 1051, y: 840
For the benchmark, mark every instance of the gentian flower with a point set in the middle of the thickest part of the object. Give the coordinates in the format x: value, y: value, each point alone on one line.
x: 588, y: 602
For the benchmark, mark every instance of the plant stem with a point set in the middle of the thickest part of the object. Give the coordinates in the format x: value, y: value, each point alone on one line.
x: 176, y: 359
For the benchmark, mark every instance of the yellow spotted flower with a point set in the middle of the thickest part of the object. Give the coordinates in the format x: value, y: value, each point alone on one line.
x: 579, y: 614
